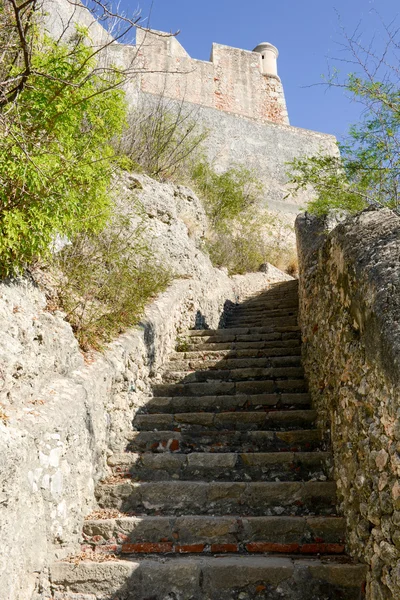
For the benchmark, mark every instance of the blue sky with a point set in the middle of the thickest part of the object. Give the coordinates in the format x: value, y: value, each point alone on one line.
x: 306, y: 33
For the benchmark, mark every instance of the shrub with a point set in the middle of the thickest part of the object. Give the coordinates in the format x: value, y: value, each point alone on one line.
x: 160, y: 138
x: 226, y: 195
x: 56, y: 157
x: 105, y: 280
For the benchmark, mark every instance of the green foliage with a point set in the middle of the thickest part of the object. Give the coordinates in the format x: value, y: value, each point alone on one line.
x: 226, y: 195
x: 368, y: 170
x: 336, y: 184
x: 107, y: 279
x: 238, y: 239
x: 161, y: 138
x: 56, y: 157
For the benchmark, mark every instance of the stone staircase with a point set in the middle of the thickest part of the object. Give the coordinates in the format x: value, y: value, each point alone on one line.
x: 226, y: 490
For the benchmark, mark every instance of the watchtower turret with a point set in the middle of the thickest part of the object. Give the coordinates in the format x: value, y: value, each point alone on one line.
x: 268, y: 58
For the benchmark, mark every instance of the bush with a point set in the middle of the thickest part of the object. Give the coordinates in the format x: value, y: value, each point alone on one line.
x: 241, y: 247
x: 56, y: 156
x: 239, y: 225
x: 161, y: 137
x: 226, y: 195
x: 105, y: 280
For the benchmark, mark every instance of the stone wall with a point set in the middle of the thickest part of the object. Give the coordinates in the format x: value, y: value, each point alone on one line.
x: 62, y: 414
x: 231, y: 81
x: 265, y: 148
x: 350, y: 319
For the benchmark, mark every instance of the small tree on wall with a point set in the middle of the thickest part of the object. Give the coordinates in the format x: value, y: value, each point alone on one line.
x: 367, y: 172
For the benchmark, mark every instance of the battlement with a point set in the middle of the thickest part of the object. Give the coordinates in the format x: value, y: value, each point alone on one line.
x: 236, y: 81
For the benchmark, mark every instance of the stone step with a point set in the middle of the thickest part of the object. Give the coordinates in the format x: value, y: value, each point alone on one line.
x: 226, y: 441
x: 241, y: 322
x: 254, y: 338
x: 236, y: 421
x: 218, y: 498
x: 226, y: 388
x: 202, y: 577
x: 177, y: 404
x: 213, y: 356
x: 238, y: 332
x: 275, y: 347
x: 229, y: 466
x: 273, y: 303
x: 203, y: 534
x: 283, y: 307
x: 217, y: 363
x: 257, y: 323
x: 239, y: 374
x: 260, y: 313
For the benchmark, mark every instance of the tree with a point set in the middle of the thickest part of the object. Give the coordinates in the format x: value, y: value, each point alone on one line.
x: 367, y: 171
x: 61, y: 108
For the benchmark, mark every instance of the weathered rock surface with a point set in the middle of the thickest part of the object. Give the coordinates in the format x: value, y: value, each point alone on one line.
x: 350, y: 319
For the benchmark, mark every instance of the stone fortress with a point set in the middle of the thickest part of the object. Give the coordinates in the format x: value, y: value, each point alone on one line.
x: 234, y: 81
x: 237, y: 96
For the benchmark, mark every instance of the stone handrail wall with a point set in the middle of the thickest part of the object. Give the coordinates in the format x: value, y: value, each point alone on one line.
x: 350, y: 320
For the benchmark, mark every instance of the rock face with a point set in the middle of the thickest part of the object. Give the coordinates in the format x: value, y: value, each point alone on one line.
x: 62, y: 416
x: 350, y: 319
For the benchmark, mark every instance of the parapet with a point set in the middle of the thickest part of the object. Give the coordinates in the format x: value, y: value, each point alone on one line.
x: 236, y: 81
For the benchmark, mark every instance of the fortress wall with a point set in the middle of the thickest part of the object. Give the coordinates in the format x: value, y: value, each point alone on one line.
x: 244, y: 110
x: 266, y: 148
x: 232, y: 81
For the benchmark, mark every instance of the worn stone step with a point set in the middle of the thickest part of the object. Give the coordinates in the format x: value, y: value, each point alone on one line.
x: 226, y: 441
x: 206, y: 362
x: 236, y: 421
x: 240, y: 321
x: 229, y: 466
x: 275, y: 347
x: 274, y: 311
x: 245, y: 402
x: 252, y: 315
x: 203, y: 534
x: 236, y: 341
x: 277, y: 311
x: 273, y: 307
x: 258, y: 323
x: 239, y: 374
x: 219, y: 498
x: 202, y: 577
x: 238, y: 332
x: 225, y: 388
x: 213, y: 356
x: 283, y: 318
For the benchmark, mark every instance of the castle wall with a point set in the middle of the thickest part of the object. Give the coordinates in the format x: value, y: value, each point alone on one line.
x: 265, y: 148
x: 231, y: 82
